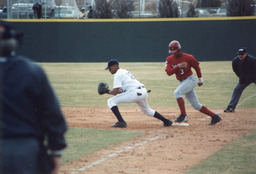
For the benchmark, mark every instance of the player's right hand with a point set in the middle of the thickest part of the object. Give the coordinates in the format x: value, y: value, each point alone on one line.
x: 183, y: 65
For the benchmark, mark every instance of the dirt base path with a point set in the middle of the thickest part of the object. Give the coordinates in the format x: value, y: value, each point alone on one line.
x: 162, y: 150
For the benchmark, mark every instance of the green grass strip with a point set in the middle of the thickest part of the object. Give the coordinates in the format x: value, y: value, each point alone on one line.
x: 76, y: 84
x: 239, y: 157
x: 82, y: 141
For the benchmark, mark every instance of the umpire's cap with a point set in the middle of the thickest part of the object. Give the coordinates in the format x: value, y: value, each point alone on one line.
x: 111, y: 63
x: 8, y: 32
x: 242, y: 51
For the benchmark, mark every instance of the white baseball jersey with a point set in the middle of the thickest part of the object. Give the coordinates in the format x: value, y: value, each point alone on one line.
x: 125, y: 80
x: 133, y: 92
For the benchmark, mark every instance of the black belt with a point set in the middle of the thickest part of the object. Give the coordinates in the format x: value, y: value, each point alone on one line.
x: 140, y: 87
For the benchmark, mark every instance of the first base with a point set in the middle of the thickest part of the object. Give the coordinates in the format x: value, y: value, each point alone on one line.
x: 180, y: 124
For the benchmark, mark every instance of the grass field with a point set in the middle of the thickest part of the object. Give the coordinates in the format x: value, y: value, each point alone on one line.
x: 76, y: 85
x: 236, y: 158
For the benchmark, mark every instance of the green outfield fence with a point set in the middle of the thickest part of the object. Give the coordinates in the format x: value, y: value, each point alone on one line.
x: 135, y: 40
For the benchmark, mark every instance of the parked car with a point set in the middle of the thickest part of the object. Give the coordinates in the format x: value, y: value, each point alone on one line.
x: 221, y: 12
x: 65, y: 12
x: 143, y: 14
x: 22, y: 10
x: 202, y: 12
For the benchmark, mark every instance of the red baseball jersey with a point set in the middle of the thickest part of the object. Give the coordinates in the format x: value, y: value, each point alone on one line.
x: 171, y: 66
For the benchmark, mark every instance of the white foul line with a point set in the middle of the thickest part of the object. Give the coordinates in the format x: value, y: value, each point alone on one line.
x: 246, y: 99
x: 127, y: 148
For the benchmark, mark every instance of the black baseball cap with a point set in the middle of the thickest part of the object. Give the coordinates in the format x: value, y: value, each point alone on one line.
x: 9, y: 32
x: 242, y: 51
x: 111, y: 63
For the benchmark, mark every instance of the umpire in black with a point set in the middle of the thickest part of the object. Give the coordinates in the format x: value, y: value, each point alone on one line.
x: 244, y: 66
x: 31, y: 121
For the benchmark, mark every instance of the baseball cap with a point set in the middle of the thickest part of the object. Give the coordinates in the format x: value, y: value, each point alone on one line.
x: 8, y: 32
x: 242, y: 51
x: 83, y: 8
x: 111, y: 63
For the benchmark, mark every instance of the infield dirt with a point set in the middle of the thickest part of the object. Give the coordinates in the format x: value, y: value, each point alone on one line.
x: 175, y: 150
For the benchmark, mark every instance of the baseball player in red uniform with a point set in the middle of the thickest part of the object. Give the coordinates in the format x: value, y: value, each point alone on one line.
x: 180, y: 63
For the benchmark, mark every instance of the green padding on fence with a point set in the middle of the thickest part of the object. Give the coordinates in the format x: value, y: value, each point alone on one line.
x: 134, y: 40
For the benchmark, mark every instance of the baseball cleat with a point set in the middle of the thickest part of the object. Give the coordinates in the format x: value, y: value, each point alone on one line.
x: 229, y: 110
x: 167, y: 123
x: 182, y: 118
x: 215, y: 119
x: 120, y: 124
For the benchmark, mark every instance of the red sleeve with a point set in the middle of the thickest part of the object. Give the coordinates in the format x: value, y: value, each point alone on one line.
x: 195, y: 65
x: 198, y: 71
x: 169, y: 69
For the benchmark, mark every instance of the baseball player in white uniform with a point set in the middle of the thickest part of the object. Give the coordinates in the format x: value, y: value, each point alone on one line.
x: 126, y: 89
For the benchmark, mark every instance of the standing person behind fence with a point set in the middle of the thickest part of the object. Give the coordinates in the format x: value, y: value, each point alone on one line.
x: 37, y: 8
x: 30, y: 113
x: 90, y: 13
x: 82, y: 14
x: 244, y: 66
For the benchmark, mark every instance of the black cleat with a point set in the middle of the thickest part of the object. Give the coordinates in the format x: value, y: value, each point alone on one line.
x: 182, y: 118
x: 215, y: 119
x: 229, y: 110
x: 120, y: 124
x: 167, y: 123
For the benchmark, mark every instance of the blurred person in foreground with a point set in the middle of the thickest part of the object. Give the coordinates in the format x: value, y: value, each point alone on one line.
x: 244, y: 66
x: 31, y: 121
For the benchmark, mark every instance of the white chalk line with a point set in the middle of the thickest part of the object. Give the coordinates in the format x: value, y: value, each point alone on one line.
x: 244, y: 100
x: 127, y: 148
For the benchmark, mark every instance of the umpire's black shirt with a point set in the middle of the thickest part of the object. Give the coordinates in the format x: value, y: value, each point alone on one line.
x: 29, y: 105
x: 246, y: 69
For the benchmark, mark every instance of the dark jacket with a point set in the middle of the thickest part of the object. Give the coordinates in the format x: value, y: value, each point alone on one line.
x: 246, y: 69
x: 29, y: 106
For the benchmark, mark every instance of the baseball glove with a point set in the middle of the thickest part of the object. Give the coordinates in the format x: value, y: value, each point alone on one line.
x: 103, y: 88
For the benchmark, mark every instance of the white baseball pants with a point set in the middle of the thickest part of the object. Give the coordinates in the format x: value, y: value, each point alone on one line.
x: 138, y: 96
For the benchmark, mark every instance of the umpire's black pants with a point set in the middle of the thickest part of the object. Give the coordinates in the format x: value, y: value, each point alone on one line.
x: 19, y: 156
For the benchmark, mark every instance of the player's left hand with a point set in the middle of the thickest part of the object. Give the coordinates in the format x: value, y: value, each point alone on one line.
x: 200, y: 81
x: 103, y: 88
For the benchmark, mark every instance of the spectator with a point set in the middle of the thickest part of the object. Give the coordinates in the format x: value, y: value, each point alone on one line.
x: 90, y: 13
x: 3, y: 14
x: 52, y: 13
x: 37, y: 8
x: 31, y: 121
x: 82, y: 14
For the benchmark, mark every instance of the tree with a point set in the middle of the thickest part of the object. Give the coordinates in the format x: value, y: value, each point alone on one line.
x: 168, y: 9
x: 122, y: 8
x: 175, y: 8
x: 240, y: 8
x: 191, y: 11
x: 103, y: 9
